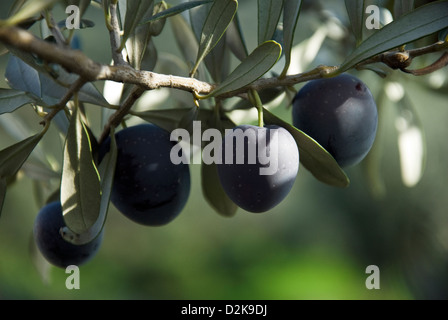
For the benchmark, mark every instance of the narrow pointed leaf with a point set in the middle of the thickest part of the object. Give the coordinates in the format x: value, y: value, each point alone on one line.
x: 235, y: 39
x: 260, y: 61
x: 185, y: 38
x: 312, y: 155
x: 106, y: 171
x: 214, y: 193
x: 80, y: 185
x: 219, y: 17
x: 420, y: 22
x: 136, y: 10
x: 355, y: 11
x: 11, y: 100
x: 28, y: 10
x: 13, y: 157
x: 184, y: 6
x: 291, y: 10
x: 269, y: 12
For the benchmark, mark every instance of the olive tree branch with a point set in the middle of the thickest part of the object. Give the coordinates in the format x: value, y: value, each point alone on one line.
x: 77, y: 62
x: 75, y: 87
x: 118, y: 116
x: 115, y: 34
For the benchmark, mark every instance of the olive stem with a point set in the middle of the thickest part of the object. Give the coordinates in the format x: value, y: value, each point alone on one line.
x: 256, y: 101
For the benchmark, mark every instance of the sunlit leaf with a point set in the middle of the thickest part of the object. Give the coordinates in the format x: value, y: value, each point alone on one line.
x: 291, y: 10
x: 185, y: 38
x: 176, y: 10
x: 136, y: 10
x: 219, y: 17
x: 312, y: 155
x: 250, y: 69
x: 269, y: 12
x: 418, y: 23
x: 80, y: 185
x: 355, y: 11
x: 28, y: 10
x: 106, y: 171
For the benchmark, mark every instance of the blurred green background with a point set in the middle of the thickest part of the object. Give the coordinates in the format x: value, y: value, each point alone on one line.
x: 314, y: 245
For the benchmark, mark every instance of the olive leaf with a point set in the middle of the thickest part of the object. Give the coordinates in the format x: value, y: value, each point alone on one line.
x: 219, y: 17
x: 414, y: 25
x: 250, y: 69
x: 136, y: 10
x: 212, y: 189
x: 11, y: 100
x: 12, y: 159
x: 291, y: 10
x: 106, y: 172
x: 80, y: 183
x: 235, y: 39
x: 184, y: 6
x: 355, y: 11
x: 269, y: 12
x: 28, y: 10
x: 312, y: 155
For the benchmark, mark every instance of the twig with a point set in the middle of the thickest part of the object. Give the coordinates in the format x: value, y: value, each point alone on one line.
x: 115, y: 35
x: 118, y: 116
x: 75, y: 87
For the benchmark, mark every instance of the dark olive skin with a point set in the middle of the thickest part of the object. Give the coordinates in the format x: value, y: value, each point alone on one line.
x: 148, y: 188
x: 244, y: 184
x: 53, y: 247
x: 340, y: 114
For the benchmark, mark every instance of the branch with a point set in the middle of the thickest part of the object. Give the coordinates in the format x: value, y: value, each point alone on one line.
x: 118, y: 116
x: 115, y: 35
x: 77, y: 62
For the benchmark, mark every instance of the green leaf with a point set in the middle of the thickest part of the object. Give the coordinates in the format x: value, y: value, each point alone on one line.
x: 212, y: 189
x: 219, y: 17
x: 291, y: 10
x: 136, y: 10
x: 420, y: 22
x: 260, y: 61
x: 355, y: 11
x: 269, y: 12
x: 312, y: 155
x: 185, y: 38
x: 217, y: 60
x: 28, y: 10
x: 13, y: 157
x: 176, y: 10
x: 106, y: 171
x: 80, y: 185
x: 167, y: 119
x: 214, y: 193
x: 11, y: 100
x: 156, y: 27
x: 235, y: 39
